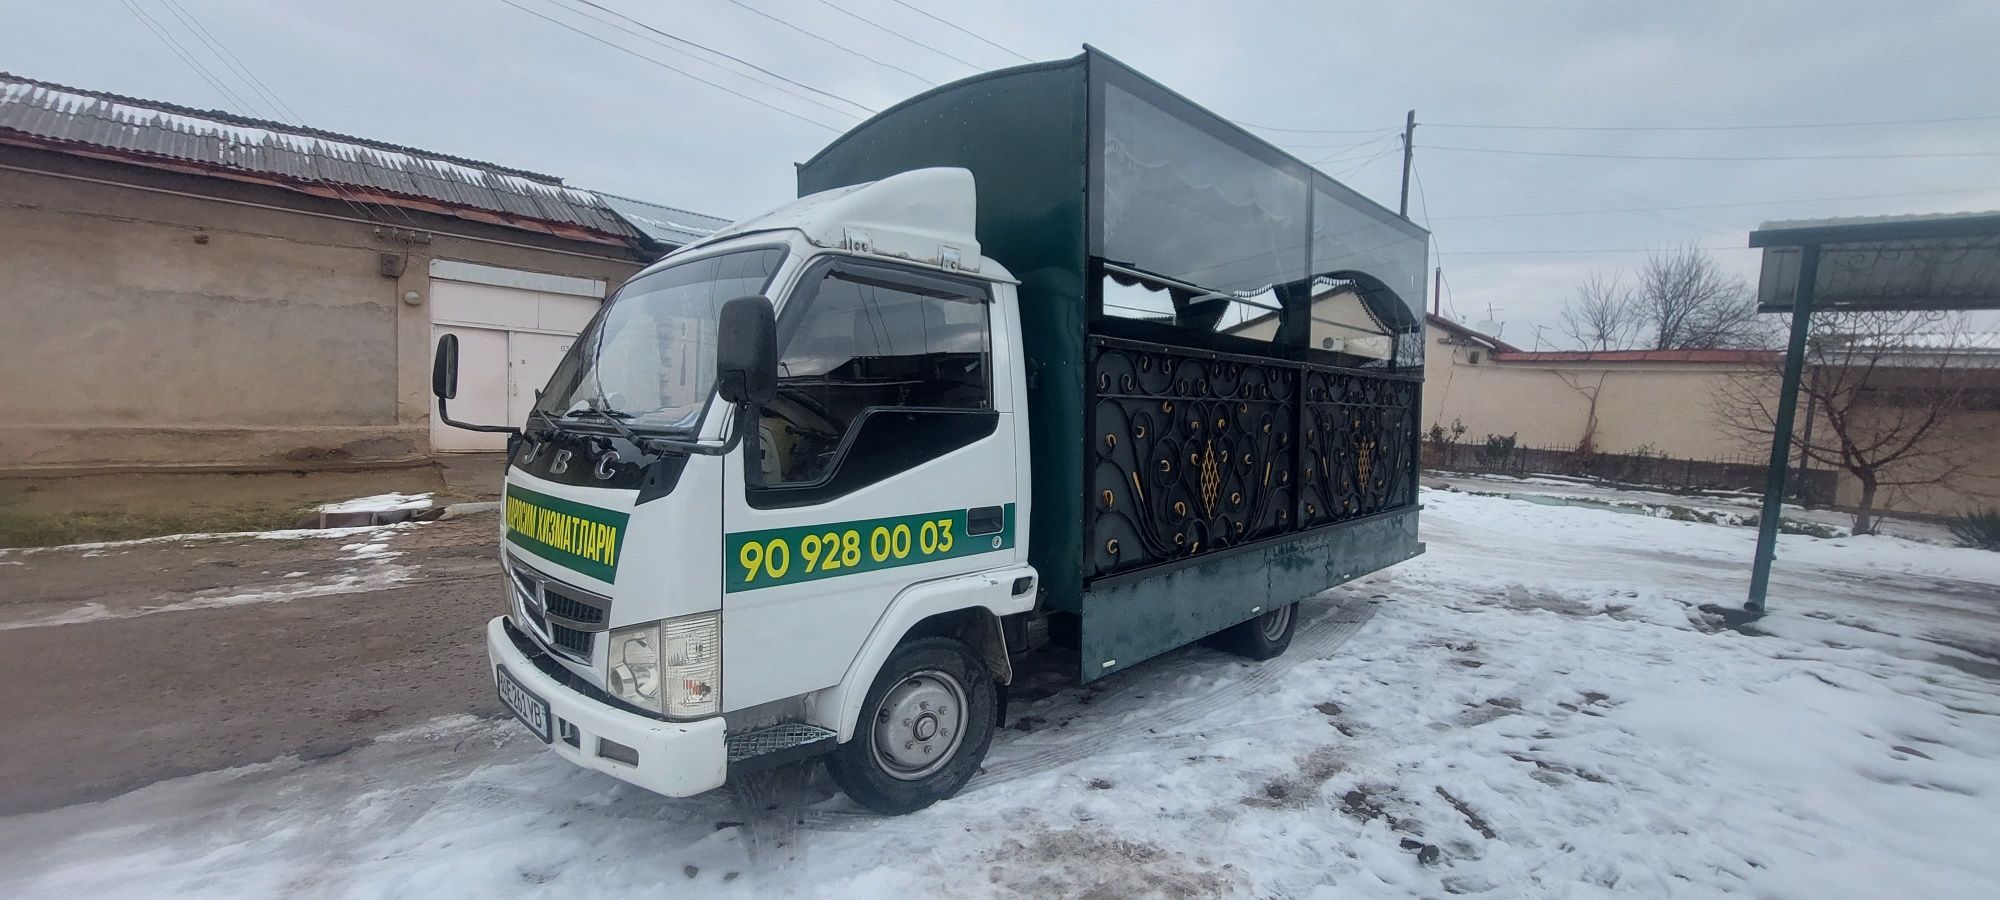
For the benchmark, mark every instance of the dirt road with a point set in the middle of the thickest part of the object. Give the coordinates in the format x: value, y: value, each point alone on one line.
x: 129, y: 663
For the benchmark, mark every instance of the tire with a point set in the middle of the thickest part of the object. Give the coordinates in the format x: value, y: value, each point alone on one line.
x: 1261, y: 638
x: 884, y: 766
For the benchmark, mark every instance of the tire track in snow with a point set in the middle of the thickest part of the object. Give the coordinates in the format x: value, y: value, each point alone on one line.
x: 1315, y: 640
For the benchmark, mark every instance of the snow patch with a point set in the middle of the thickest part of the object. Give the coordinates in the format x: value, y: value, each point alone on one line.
x: 380, y: 503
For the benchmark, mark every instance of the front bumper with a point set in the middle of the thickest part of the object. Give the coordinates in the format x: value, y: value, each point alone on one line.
x: 678, y: 759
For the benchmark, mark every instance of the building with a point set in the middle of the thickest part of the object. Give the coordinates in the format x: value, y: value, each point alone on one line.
x: 1612, y: 401
x: 1668, y: 402
x: 188, y: 289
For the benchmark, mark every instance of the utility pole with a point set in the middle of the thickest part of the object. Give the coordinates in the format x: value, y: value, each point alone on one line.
x: 1437, y: 291
x: 1409, y: 128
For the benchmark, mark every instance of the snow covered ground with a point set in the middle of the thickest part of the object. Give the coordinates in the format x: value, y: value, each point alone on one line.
x: 1535, y: 708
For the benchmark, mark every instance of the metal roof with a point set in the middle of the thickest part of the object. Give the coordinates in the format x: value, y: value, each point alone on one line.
x: 40, y: 113
x: 664, y: 224
x: 1771, y: 234
x: 1941, y: 261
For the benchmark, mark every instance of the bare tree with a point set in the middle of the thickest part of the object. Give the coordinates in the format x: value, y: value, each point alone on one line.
x: 1686, y: 302
x: 1683, y: 300
x: 1882, y: 389
x: 1601, y: 316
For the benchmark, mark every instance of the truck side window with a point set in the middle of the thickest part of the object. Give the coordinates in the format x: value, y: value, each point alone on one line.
x: 902, y: 364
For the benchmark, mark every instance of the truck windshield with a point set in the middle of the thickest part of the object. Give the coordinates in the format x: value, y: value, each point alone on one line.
x: 648, y: 360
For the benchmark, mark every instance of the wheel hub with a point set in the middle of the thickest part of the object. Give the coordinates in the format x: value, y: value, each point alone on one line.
x: 1274, y: 623
x: 918, y: 725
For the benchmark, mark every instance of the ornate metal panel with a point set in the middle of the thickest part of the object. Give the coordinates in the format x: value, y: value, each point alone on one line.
x: 1197, y: 451
x: 1360, y: 434
x: 1194, y: 452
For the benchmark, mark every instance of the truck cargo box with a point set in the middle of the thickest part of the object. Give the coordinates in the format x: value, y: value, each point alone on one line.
x: 1226, y: 345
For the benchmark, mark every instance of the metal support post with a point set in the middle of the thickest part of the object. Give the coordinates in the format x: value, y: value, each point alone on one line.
x: 1781, y: 432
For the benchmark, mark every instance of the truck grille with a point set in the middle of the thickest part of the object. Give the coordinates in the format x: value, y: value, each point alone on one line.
x: 566, y: 616
x: 556, y: 602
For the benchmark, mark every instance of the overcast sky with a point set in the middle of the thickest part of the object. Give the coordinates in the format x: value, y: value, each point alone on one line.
x: 1514, y: 232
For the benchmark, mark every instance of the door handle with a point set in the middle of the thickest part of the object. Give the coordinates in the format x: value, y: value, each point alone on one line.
x: 984, y: 520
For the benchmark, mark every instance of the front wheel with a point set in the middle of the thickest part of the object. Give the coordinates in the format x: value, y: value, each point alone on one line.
x: 925, y: 726
x: 1264, y: 637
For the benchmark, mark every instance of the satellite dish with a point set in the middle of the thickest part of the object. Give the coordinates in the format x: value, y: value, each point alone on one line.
x: 1489, y: 328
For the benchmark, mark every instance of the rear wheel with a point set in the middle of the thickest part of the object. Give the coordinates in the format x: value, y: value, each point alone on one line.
x: 1263, y: 637
x: 924, y: 728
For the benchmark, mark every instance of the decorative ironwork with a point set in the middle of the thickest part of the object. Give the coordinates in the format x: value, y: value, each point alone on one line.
x: 1200, y: 451
x: 1360, y: 432
x: 1194, y: 452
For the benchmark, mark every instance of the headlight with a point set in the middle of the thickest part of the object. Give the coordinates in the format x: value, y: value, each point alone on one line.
x: 673, y: 666
x: 635, y: 665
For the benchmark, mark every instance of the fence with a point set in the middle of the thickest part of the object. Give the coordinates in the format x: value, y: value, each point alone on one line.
x: 1503, y: 457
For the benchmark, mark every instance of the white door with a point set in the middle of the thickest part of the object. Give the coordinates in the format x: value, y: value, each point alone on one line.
x: 532, y: 360
x: 513, y: 328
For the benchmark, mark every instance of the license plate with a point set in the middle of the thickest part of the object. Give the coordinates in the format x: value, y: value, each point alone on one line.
x: 533, y: 711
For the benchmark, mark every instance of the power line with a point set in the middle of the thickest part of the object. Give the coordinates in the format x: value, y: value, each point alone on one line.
x: 736, y: 59
x: 1770, y: 127
x: 864, y: 19
x: 954, y: 26
x: 669, y: 67
x: 174, y: 46
x: 1344, y: 148
x: 1822, y: 156
x: 282, y: 111
x: 832, y: 43
x: 229, y: 58
x: 1305, y: 130
x: 1385, y: 153
x: 1627, y: 209
x: 1600, y: 193
x: 1386, y: 132
x: 1423, y: 202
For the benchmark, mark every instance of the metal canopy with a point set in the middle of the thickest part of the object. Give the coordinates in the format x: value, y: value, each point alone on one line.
x: 1929, y: 263
x: 1933, y: 262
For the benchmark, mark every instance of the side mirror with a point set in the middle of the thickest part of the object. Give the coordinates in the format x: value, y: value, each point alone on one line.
x: 444, y: 369
x: 746, y: 351
x: 444, y: 385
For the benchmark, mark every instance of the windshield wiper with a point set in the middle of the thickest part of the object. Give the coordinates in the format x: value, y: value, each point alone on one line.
x: 612, y: 417
x: 548, y: 419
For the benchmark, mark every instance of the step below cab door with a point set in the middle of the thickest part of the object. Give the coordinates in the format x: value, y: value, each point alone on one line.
x: 888, y: 458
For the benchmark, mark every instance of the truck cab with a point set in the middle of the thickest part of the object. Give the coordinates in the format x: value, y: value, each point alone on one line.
x: 870, y: 491
x: 1047, y: 355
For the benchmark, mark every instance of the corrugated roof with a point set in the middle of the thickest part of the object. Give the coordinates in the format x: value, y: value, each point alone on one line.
x: 664, y: 224
x: 1847, y: 221
x: 304, y: 158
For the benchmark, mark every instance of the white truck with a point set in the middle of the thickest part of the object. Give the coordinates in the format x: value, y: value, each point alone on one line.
x: 1047, y: 356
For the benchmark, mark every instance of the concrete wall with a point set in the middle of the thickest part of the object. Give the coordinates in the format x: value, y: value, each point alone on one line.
x: 150, y: 328
x: 1669, y: 408
x: 1974, y: 488
x: 1970, y: 438
x: 1660, y: 407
